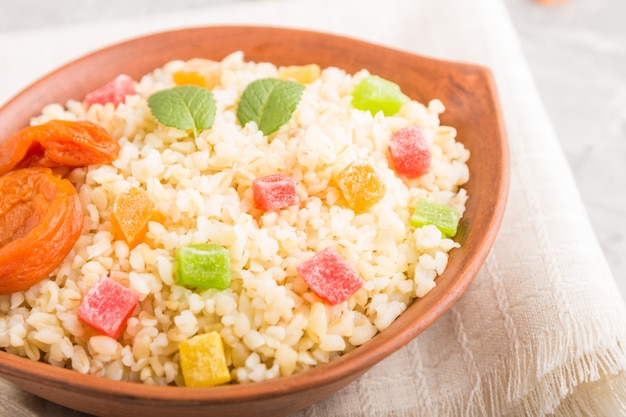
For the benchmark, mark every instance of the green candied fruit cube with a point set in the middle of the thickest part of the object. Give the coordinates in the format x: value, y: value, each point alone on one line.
x: 444, y: 217
x: 376, y: 94
x: 203, y: 266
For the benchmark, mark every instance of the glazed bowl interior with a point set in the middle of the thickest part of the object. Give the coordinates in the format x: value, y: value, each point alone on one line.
x: 472, y: 107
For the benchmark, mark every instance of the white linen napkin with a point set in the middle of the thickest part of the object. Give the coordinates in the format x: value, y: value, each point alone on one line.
x: 541, y: 330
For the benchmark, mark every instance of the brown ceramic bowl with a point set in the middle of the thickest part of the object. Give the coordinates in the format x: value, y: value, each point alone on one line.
x: 471, y: 106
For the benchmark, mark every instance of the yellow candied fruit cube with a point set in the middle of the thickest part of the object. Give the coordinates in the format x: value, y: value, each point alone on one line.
x: 361, y: 186
x: 303, y: 74
x: 199, y: 72
x: 203, y: 362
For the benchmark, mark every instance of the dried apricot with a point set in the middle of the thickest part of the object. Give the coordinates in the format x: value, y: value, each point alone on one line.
x: 58, y: 143
x: 41, y: 218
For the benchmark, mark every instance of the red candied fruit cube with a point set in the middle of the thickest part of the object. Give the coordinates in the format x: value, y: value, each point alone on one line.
x: 330, y: 276
x: 107, y: 306
x: 113, y: 92
x: 274, y: 192
x: 410, y: 152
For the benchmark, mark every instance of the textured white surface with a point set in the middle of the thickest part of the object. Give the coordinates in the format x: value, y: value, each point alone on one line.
x: 576, y: 52
x: 546, y: 271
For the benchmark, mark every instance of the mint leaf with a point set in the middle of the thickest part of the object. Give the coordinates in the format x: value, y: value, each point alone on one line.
x: 269, y: 102
x: 186, y: 108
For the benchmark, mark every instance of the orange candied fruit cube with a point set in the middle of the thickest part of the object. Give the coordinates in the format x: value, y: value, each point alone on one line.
x: 189, y: 78
x: 199, y: 72
x: 304, y: 74
x: 132, y: 211
x: 361, y: 186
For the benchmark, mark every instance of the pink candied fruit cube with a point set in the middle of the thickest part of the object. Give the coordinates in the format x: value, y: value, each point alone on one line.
x: 114, y: 91
x: 330, y: 276
x: 107, y: 306
x: 409, y: 151
x: 274, y: 192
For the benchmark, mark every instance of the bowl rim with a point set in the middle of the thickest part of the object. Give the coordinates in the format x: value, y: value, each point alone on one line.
x: 381, y: 346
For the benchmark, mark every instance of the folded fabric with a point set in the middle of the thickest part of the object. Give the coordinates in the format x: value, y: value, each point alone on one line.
x: 542, y: 329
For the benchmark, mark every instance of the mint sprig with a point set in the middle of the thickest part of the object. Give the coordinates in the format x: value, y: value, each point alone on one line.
x: 188, y: 107
x: 269, y: 102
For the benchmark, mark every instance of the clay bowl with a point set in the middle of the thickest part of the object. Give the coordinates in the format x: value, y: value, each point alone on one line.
x: 472, y: 107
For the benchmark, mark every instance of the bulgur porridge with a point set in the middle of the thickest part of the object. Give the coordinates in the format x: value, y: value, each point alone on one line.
x: 271, y: 320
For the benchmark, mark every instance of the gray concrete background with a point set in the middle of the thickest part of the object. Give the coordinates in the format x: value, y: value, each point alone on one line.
x: 576, y: 52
